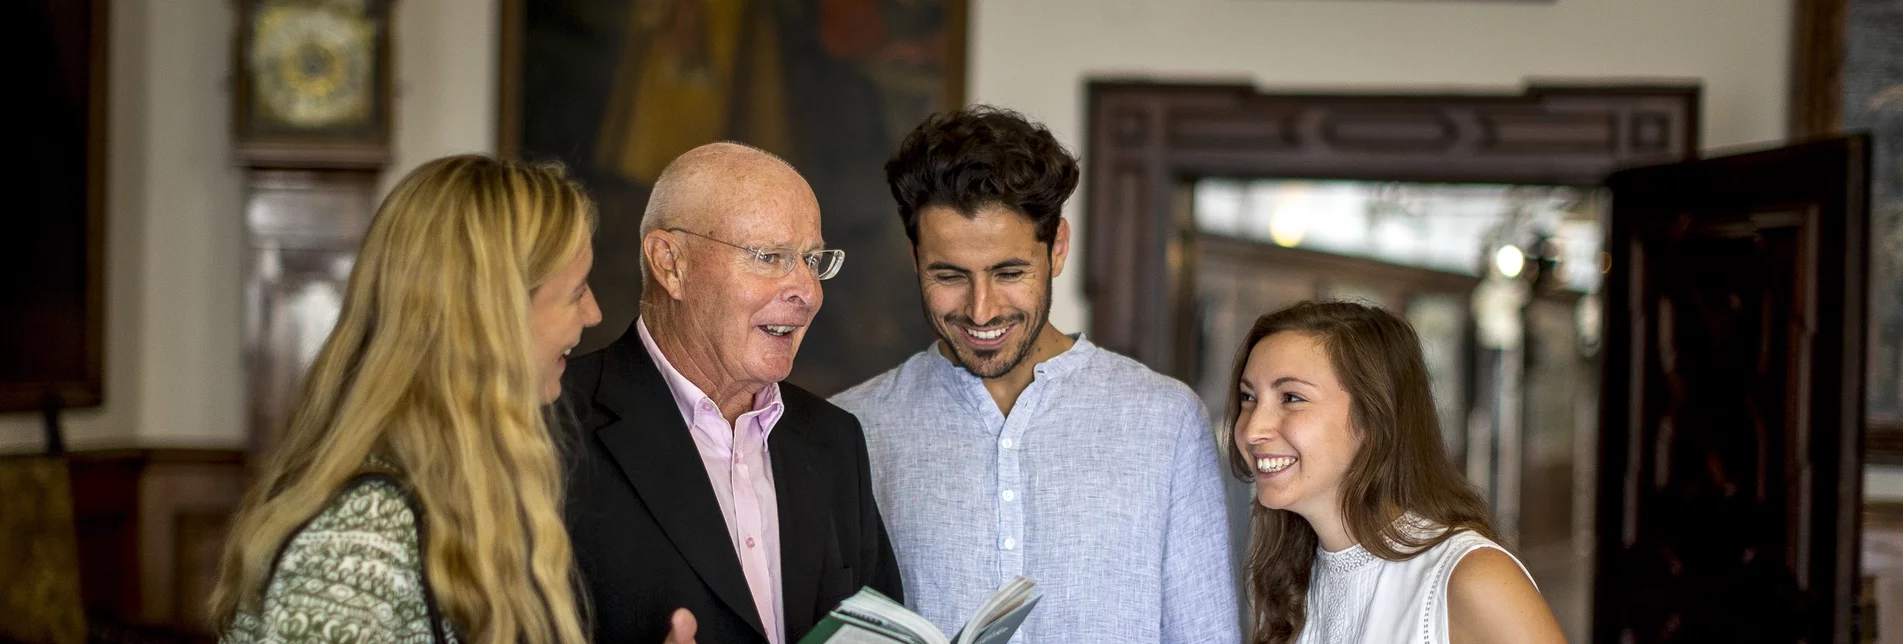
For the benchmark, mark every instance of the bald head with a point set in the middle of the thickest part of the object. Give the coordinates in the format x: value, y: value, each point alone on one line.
x: 712, y: 180
x: 712, y: 187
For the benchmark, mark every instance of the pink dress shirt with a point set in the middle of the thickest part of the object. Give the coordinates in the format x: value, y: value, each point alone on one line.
x: 738, y: 466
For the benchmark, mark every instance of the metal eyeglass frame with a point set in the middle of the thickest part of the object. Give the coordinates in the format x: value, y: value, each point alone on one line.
x: 812, y: 260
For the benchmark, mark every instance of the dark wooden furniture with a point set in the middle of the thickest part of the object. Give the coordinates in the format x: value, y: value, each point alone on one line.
x: 1731, y: 465
x: 52, y: 244
x: 313, y: 138
x: 1144, y: 138
x: 151, y: 526
x: 302, y: 232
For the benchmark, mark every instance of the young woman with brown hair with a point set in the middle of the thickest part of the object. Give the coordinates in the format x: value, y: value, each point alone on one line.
x: 1363, y: 530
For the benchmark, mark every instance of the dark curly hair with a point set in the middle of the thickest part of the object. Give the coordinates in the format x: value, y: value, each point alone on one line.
x: 982, y: 156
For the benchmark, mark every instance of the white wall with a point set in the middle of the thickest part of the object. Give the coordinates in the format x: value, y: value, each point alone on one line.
x: 174, y: 225
x: 445, y: 81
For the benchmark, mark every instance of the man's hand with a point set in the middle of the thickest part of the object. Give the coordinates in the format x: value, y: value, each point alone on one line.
x: 681, y: 628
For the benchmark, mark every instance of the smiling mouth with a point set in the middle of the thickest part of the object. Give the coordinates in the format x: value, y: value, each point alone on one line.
x: 985, y: 336
x: 778, y: 330
x: 1273, y: 464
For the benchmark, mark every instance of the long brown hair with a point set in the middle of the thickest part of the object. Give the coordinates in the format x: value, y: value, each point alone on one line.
x: 429, y: 367
x: 1401, y: 467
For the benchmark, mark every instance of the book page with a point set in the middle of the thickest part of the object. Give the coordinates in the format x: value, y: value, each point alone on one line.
x: 1014, y: 600
x: 879, y: 612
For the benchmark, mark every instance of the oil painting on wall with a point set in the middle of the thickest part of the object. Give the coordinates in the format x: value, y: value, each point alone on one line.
x: 617, y: 88
x: 1873, y: 102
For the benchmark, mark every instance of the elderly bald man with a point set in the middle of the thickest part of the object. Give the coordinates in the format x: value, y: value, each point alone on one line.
x: 698, y: 479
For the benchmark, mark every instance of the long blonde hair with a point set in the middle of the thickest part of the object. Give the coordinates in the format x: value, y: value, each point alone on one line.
x: 429, y: 368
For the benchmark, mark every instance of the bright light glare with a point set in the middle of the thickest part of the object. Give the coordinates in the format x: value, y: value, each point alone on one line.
x: 1509, y: 260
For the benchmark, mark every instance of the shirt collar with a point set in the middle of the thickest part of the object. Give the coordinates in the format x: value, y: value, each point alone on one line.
x: 688, y: 397
x: 1056, y: 366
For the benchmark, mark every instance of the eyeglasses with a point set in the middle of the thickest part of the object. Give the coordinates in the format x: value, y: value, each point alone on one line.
x: 779, y: 261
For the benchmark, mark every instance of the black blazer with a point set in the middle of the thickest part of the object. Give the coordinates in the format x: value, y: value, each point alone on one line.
x: 648, y: 533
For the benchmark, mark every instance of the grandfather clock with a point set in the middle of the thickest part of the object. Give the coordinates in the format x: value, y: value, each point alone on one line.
x: 312, y: 129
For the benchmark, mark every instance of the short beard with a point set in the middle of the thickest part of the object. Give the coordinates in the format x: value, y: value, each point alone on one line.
x: 1013, y: 355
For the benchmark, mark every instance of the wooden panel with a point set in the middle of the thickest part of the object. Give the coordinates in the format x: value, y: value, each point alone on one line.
x: 1731, y: 466
x: 151, y: 525
x: 303, y: 232
x: 1548, y: 135
x: 106, y: 515
x: 1817, y: 68
x: 1509, y: 131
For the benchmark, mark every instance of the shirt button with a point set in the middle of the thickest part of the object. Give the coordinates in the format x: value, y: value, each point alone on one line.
x: 1008, y: 495
x: 749, y: 542
x: 1006, y: 443
x: 1010, y: 544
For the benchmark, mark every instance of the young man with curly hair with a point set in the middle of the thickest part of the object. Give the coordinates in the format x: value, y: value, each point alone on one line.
x: 1009, y: 448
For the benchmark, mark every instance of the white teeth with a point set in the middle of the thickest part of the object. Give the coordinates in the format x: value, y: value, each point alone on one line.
x: 1273, y: 465
x: 986, y: 335
x: 565, y: 352
x: 777, y: 330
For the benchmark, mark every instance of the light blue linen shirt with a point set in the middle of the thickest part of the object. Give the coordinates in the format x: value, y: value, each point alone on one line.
x: 1102, y: 486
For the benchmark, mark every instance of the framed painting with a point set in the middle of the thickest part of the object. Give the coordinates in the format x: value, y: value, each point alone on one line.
x: 52, y: 240
x: 616, y: 89
x: 1847, y: 70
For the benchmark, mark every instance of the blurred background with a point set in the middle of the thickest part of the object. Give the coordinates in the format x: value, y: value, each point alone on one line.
x: 1651, y: 247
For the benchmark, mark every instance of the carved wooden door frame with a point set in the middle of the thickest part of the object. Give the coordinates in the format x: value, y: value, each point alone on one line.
x: 1143, y: 138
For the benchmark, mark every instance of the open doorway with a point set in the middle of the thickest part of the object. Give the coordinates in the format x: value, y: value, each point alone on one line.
x: 1479, y: 218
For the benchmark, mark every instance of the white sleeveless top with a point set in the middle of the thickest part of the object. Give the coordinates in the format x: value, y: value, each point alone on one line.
x: 1354, y: 596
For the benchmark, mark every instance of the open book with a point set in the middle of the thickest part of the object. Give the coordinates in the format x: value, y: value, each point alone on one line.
x: 871, y: 618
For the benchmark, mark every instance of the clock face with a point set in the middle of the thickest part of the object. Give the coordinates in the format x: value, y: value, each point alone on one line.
x: 313, y: 66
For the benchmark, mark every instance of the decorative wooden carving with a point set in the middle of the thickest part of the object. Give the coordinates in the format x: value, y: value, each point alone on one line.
x: 1144, y: 137
x: 1731, y: 469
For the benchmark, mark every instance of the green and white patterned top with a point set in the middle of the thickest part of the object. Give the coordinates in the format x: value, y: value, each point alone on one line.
x: 354, y: 574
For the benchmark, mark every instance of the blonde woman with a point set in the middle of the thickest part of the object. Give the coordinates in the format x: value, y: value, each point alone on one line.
x: 416, y: 496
